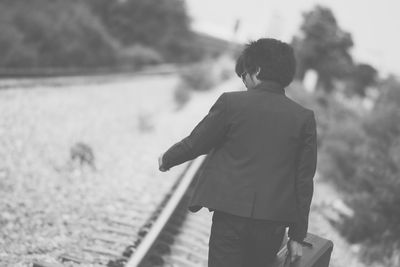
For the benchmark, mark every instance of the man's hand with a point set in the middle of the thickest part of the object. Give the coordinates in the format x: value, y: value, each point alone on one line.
x: 295, y: 250
x: 160, y: 163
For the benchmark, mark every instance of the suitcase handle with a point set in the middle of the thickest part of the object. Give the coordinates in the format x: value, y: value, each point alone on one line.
x: 317, y: 253
x: 306, y: 244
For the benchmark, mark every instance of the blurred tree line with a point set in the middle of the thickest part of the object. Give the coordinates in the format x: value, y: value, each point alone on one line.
x: 359, y: 149
x: 92, y: 33
x: 324, y: 47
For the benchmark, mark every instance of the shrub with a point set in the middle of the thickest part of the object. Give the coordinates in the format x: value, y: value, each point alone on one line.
x: 139, y: 56
x: 361, y: 155
x: 364, y: 158
x: 343, y: 146
x: 204, y: 75
x: 181, y: 97
x: 198, y: 77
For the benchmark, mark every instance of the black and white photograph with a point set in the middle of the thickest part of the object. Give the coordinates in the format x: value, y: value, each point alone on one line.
x: 199, y: 133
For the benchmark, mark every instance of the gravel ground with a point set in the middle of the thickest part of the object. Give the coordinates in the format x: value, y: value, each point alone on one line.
x: 48, y: 202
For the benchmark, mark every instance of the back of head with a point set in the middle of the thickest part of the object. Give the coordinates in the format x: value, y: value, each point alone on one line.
x: 275, y: 60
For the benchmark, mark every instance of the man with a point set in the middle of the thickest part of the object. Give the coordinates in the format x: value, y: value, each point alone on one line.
x: 262, y: 154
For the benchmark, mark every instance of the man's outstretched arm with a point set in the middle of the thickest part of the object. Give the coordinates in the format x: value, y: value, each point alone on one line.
x: 305, y: 172
x: 206, y: 135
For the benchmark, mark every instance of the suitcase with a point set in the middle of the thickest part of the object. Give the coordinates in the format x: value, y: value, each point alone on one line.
x: 316, y: 254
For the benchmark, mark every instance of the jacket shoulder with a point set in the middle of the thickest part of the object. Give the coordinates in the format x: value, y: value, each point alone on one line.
x: 238, y: 96
x: 300, y: 108
x: 233, y: 94
x: 233, y: 97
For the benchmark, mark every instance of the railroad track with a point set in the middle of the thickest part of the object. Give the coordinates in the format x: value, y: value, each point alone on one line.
x: 169, y: 237
x: 166, y: 238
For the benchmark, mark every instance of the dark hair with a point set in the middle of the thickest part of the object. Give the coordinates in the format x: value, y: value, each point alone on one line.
x: 274, y: 58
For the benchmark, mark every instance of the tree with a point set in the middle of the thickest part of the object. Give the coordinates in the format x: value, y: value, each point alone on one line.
x: 389, y: 92
x: 362, y: 76
x: 162, y: 25
x: 323, y: 46
x: 41, y: 33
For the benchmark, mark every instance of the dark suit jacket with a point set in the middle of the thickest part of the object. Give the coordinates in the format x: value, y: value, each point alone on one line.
x: 261, y: 161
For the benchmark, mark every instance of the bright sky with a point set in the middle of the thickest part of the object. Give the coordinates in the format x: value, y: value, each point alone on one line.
x: 372, y: 23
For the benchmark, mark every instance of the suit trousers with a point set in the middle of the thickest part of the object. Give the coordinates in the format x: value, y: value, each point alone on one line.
x: 243, y: 242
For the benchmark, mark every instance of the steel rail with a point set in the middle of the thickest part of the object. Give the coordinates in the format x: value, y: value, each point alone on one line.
x: 147, y: 242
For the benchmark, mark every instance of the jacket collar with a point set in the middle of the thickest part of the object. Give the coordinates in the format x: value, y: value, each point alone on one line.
x: 270, y: 86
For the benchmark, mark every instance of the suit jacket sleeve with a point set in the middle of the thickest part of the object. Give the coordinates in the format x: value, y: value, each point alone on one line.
x: 306, y: 167
x: 206, y: 135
